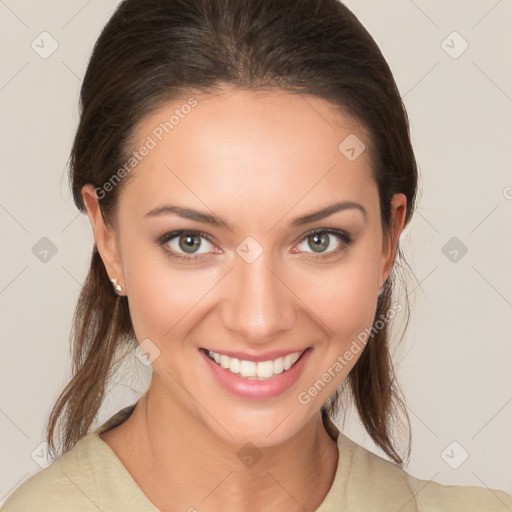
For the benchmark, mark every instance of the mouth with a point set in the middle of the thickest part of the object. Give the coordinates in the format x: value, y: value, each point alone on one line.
x: 256, y: 380
x: 256, y: 370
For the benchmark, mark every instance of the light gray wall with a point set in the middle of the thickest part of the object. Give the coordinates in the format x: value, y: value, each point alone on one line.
x: 454, y: 361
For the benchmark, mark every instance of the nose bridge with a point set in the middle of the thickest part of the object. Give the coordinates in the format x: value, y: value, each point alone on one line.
x: 259, y: 305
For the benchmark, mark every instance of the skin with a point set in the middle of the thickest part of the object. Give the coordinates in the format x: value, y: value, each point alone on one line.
x: 257, y: 160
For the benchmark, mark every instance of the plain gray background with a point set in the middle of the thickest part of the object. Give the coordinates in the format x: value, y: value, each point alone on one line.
x: 455, y: 359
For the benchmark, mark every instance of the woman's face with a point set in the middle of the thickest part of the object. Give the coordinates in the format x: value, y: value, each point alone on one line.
x: 269, y: 276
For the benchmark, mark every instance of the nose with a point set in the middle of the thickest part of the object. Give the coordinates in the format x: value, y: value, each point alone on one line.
x: 259, y: 305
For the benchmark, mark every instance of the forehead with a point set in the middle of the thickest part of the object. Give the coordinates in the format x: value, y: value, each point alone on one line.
x: 260, y: 149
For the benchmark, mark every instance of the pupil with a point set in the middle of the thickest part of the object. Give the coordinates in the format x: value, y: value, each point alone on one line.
x: 189, y: 244
x: 321, y: 241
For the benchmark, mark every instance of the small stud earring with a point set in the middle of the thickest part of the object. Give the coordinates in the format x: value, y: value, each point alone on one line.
x: 118, y: 288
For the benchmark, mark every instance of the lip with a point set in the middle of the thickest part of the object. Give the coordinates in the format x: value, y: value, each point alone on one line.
x: 268, y: 356
x: 257, y: 389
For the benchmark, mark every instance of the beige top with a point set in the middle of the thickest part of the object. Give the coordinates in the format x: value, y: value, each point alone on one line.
x: 91, y: 478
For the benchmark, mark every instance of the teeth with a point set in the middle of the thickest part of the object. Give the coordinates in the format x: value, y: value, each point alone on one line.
x: 247, y: 368
x: 265, y: 369
x: 279, y: 365
x: 252, y: 370
x: 289, y: 360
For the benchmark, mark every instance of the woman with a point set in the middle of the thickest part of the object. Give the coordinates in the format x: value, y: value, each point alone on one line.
x: 247, y: 170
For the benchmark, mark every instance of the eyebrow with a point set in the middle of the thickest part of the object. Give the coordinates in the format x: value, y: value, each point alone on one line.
x: 188, y: 213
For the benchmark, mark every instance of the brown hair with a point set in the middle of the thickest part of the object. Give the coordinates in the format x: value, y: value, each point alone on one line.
x: 153, y: 51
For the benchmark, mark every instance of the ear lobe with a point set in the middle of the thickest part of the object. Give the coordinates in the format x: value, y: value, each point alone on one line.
x: 104, y: 234
x: 396, y: 226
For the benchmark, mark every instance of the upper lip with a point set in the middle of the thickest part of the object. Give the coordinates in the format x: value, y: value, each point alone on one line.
x: 267, y: 356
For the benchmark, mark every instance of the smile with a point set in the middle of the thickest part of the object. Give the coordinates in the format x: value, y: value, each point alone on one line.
x: 260, y: 370
x: 256, y: 379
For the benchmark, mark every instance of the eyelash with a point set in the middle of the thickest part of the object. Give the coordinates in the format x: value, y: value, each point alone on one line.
x: 344, y: 237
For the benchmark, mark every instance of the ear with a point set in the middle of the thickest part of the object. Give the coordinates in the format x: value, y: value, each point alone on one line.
x: 390, y: 242
x: 104, y: 235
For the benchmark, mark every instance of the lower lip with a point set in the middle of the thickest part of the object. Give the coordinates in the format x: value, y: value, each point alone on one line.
x: 261, y: 389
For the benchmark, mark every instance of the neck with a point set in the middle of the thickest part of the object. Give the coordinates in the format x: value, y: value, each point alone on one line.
x: 181, y: 465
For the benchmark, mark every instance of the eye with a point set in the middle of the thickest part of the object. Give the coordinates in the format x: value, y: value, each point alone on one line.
x: 323, y: 242
x: 185, y: 245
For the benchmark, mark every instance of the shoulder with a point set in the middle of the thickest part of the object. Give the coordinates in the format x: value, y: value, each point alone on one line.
x: 433, y: 496
x: 68, y: 482
x: 378, y: 484
x: 82, y: 479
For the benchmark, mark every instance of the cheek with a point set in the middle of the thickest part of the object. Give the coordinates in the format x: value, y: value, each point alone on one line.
x: 344, y: 298
x: 163, y: 298
x: 346, y: 307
